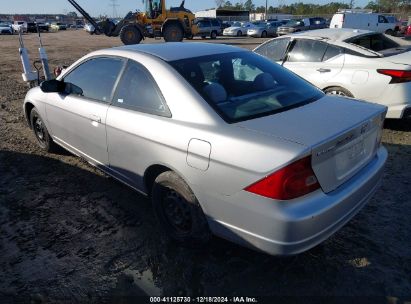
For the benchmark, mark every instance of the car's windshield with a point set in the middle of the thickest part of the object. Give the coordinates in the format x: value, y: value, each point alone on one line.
x: 243, y: 85
x: 4, y: 25
x: 237, y: 24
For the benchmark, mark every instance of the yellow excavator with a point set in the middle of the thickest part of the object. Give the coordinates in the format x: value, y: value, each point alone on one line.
x: 173, y: 25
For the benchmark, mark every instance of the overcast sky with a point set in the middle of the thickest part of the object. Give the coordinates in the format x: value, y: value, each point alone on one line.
x: 97, y: 7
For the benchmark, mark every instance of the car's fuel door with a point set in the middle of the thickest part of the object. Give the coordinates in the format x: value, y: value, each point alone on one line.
x: 198, y: 154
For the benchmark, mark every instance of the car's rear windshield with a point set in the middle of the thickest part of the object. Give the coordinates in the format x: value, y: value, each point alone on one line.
x: 243, y: 85
x: 379, y: 43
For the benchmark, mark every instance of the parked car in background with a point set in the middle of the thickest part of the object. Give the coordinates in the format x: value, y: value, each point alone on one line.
x: 57, y: 26
x: 355, y: 63
x: 264, y: 29
x: 393, y: 20
x: 363, y: 21
x: 6, y: 29
x: 238, y: 29
x: 225, y: 24
x: 262, y: 157
x: 403, y: 27
x: 32, y: 27
x: 20, y: 26
x: 299, y: 25
x: 89, y: 28
x: 208, y: 27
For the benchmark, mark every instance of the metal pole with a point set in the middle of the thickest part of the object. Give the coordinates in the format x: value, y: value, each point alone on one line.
x: 266, y: 9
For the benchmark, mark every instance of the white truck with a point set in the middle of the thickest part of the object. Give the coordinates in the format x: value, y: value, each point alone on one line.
x: 363, y: 21
x: 20, y: 26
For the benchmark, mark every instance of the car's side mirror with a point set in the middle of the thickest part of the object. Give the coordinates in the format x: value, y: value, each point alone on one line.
x: 58, y: 86
x: 53, y: 86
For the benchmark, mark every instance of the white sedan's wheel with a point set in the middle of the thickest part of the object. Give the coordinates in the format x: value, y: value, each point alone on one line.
x: 338, y: 91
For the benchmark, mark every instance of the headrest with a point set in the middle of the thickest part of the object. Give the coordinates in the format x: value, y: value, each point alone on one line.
x: 263, y: 82
x: 215, y: 92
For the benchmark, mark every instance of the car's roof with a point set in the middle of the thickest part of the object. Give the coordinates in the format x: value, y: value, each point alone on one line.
x: 336, y: 35
x: 171, y: 51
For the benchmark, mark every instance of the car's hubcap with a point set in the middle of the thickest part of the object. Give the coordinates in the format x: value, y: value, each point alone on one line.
x: 336, y: 92
x: 39, y: 129
x: 176, y: 211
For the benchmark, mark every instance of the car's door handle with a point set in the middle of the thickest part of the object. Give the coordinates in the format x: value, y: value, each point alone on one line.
x: 95, y: 118
x: 324, y: 70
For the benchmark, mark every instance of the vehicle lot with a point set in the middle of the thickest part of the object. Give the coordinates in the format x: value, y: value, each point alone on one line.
x: 70, y: 233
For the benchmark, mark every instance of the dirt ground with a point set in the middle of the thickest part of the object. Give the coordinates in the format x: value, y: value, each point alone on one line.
x: 69, y: 233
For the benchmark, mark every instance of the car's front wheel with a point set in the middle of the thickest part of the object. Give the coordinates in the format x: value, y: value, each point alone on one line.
x: 213, y: 35
x: 338, y: 91
x: 40, y: 132
x: 239, y: 34
x: 178, y: 210
x: 264, y: 34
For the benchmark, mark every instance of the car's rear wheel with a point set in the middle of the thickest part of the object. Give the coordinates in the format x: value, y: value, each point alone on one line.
x: 178, y: 210
x: 338, y: 91
x: 264, y: 34
x: 239, y: 34
x: 41, y: 133
x: 213, y: 35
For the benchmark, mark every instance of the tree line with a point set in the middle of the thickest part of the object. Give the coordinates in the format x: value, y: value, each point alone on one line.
x: 386, y: 6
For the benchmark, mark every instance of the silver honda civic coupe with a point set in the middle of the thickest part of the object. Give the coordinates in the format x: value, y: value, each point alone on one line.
x: 224, y: 141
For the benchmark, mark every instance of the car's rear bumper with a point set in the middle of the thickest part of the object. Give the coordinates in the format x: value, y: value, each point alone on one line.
x: 291, y: 227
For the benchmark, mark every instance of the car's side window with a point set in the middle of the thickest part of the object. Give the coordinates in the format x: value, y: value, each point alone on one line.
x: 306, y: 50
x: 137, y: 90
x: 274, y: 50
x: 96, y: 77
x: 382, y: 19
x: 332, y: 51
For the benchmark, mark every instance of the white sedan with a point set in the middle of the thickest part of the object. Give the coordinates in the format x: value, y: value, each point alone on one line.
x: 238, y: 29
x: 354, y: 63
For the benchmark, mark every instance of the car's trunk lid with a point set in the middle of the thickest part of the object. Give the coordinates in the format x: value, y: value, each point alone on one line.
x: 342, y: 134
x: 399, y: 55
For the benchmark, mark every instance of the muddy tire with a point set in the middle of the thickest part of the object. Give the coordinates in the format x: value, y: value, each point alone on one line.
x: 130, y: 34
x: 338, y: 91
x: 178, y: 210
x: 41, y: 133
x: 173, y: 33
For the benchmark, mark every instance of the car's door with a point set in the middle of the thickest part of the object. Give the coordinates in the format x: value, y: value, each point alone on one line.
x: 78, y: 120
x: 314, y: 60
x: 136, y: 121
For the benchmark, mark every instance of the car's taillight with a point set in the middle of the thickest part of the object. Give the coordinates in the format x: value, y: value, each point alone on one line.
x: 292, y: 181
x: 397, y: 76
